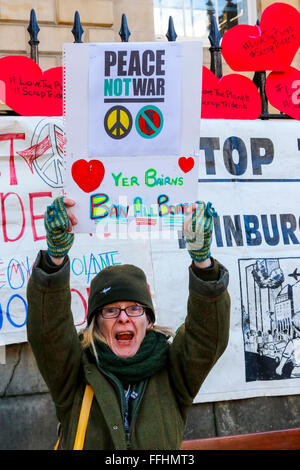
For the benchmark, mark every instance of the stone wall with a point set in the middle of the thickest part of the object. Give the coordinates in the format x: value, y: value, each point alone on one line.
x: 28, y: 420
x: 55, y: 19
x: 100, y: 19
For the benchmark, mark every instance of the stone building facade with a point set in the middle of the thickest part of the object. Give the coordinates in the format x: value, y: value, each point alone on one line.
x: 100, y: 19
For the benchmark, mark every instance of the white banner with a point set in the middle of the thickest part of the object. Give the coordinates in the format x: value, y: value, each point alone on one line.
x: 250, y: 172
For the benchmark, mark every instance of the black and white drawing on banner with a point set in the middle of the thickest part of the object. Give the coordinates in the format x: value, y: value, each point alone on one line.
x: 270, y: 307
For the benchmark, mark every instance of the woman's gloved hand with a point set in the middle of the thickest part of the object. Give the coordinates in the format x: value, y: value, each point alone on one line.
x: 58, y: 227
x: 198, y: 228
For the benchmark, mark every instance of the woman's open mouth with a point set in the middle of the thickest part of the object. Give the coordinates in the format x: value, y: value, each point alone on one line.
x: 124, y: 336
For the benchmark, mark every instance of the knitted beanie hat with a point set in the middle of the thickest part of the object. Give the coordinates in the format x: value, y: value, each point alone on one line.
x: 117, y: 283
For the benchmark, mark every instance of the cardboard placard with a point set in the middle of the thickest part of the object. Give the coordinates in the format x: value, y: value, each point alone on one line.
x: 270, y: 46
x: 283, y: 91
x: 28, y: 90
x: 230, y: 97
x: 132, y: 130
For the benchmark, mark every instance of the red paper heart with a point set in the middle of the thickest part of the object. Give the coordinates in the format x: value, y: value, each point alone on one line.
x: 88, y: 175
x: 28, y: 90
x: 186, y: 164
x: 283, y: 91
x: 270, y: 46
x: 232, y: 97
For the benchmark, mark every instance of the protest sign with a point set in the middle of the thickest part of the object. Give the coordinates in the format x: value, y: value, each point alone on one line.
x: 271, y: 45
x: 29, y: 90
x: 134, y: 101
x: 283, y: 91
x: 132, y: 114
x: 230, y: 97
x: 133, y: 195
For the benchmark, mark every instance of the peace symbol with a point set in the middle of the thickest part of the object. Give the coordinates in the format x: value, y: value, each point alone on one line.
x: 118, y: 122
x: 50, y: 166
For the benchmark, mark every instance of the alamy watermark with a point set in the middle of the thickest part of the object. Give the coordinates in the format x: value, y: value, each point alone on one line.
x: 148, y: 223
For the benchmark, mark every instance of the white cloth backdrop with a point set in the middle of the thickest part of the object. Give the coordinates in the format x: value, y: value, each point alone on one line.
x: 250, y: 171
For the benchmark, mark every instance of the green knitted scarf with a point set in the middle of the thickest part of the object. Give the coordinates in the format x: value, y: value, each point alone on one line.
x: 150, y: 358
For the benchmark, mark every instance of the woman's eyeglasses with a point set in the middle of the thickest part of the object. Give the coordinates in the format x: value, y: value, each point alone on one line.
x: 114, y: 312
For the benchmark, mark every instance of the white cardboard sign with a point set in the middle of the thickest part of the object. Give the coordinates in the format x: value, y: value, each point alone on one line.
x: 134, y: 98
x: 136, y: 196
x: 132, y: 125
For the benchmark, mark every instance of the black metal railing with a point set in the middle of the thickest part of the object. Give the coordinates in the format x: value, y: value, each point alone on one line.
x: 259, y: 78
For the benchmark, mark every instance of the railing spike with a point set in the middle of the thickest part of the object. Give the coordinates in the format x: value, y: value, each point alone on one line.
x: 77, y: 30
x: 33, y: 29
x: 124, y: 31
x: 214, y: 33
x: 171, y: 33
x: 215, y: 49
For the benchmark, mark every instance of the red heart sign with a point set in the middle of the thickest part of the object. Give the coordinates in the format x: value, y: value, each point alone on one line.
x: 88, y: 175
x: 28, y: 90
x: 232, y: 97
x: 283, y: 91
x: 270, y: 46
x: 186, y: 164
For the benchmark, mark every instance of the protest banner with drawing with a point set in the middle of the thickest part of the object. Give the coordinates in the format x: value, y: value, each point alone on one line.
x: 250, y: 174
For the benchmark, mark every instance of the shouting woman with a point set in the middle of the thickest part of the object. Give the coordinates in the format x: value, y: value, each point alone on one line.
x: 141, y: 380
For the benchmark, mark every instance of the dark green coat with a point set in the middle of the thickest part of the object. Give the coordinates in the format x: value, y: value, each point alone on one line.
x: 160, y: 419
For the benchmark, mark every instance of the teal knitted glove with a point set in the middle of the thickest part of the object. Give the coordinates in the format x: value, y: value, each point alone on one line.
x: 198, y: 235
x: 56, y: 221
